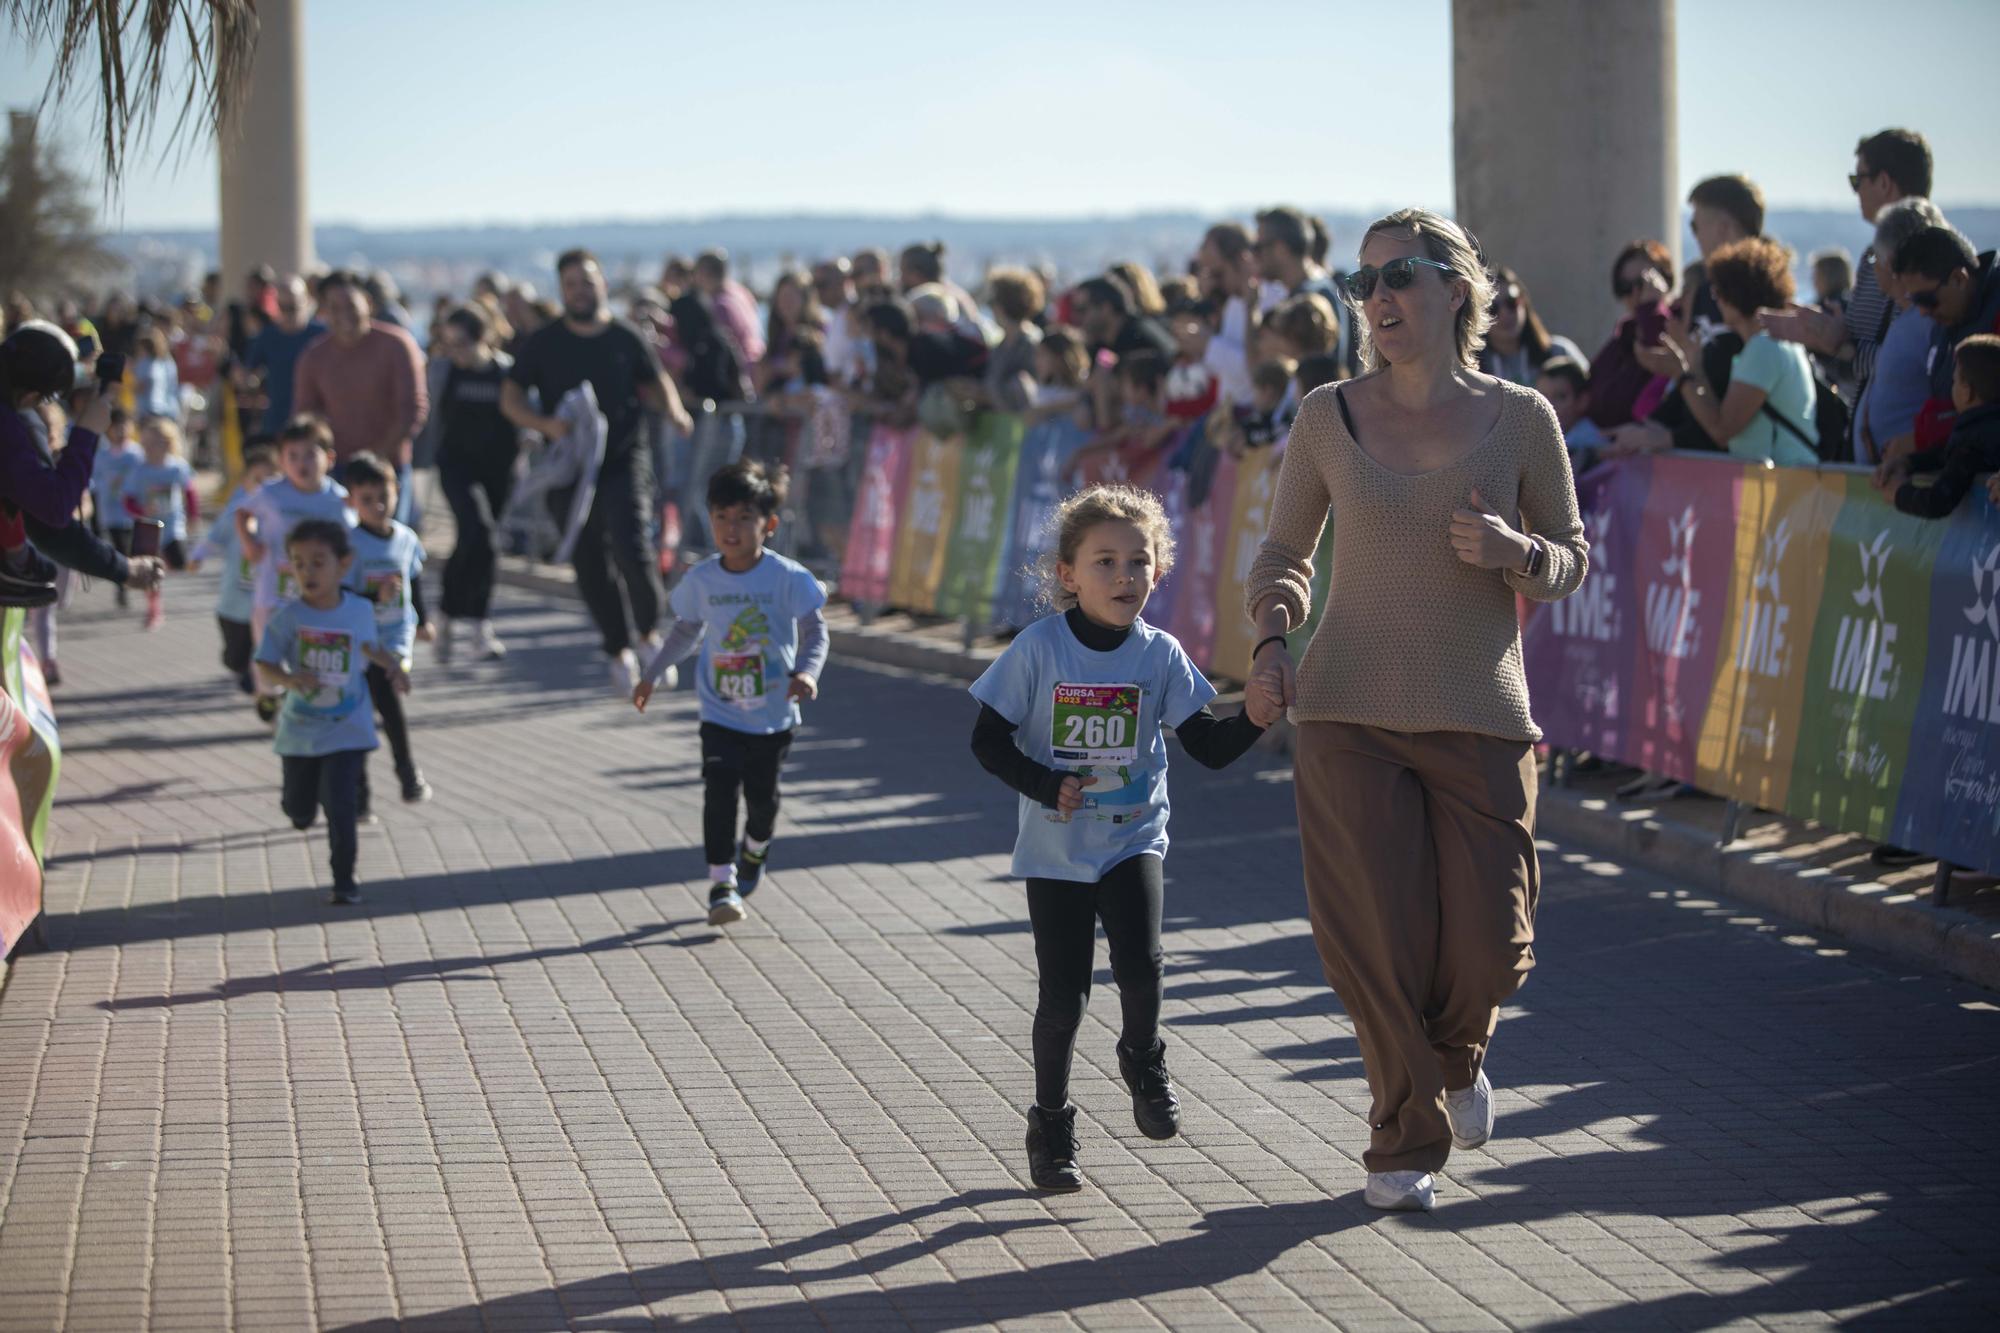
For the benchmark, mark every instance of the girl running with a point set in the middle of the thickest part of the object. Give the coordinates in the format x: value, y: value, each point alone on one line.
x: 1070, y: 718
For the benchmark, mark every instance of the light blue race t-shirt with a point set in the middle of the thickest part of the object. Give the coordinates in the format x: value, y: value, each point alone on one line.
x: 160, y: 490
x: 338, y: 715
x: 383, y: 568
x: 749, y: 639
x: 1097, y: 713
x: 279, y: 507
x: 107, y: 483
x: 234, y: 576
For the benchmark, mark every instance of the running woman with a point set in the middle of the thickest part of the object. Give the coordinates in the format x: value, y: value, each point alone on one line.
x: 1070, y: 717
x: 757, y: 617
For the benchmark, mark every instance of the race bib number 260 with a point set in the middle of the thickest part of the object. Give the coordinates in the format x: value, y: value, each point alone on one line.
x: 1095, y: 724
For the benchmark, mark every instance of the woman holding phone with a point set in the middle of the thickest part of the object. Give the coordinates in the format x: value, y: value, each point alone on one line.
x: 1449, y: 492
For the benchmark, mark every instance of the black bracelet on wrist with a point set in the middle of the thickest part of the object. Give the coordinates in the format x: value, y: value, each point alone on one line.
x: 1268, y: 638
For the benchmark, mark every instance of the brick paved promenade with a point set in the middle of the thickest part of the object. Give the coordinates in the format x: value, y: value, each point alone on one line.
x: 525, y: 1087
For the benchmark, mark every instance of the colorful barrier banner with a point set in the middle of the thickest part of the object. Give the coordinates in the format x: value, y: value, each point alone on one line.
x: 1249, y: 519
x: 979, y: 531
x: 1789, y: 640
x: 1583, y: 649
x: 871, y: 543
x: 923, y: 533
x: 30, y: 760
x: 1039, y: 487
x: 1203, y: 539
x: 1950, y: 801
x: 1679, y: 575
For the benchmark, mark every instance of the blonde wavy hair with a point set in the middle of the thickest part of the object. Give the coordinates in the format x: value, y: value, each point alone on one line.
x: 1453, y: 246
x: 1084, y: 511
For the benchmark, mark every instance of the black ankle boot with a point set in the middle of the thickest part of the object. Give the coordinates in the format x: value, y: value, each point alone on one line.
x: 1155, y: 1108
x: 1052, y: 1149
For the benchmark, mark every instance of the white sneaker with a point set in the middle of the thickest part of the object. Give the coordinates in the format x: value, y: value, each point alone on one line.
x: 487, y: 642
x: 1401, y: 1191
x: 442, y: 647
x: 1470, y: 1111
x: 625, y: 672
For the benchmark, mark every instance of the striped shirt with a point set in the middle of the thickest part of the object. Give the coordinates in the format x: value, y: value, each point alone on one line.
x: 1868, y: 313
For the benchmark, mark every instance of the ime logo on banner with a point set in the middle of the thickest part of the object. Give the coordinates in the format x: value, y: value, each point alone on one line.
x: 1671, y: 606
x: 1863, y: 661
x: 1591, y: 612
x: 1972, y: 686
x: 1762, y: 648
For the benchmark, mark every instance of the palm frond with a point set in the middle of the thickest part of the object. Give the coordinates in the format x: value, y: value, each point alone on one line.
x: 130, y: 49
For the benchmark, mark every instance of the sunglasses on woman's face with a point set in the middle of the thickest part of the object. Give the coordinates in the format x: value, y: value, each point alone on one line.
x: 1396, y: 275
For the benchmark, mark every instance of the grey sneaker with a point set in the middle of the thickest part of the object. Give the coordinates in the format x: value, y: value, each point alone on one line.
x: 1401, y: 1191
x: 725, y: 905
x: 1470, y: 1111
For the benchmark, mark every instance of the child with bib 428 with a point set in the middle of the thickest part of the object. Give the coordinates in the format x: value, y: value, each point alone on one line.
x: 265, y: 519
x: 316, y: 649
x: 388, y: 564
x: 1070, y: 717
x: 758, y: 619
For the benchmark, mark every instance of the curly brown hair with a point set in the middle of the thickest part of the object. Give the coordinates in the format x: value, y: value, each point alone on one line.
x: 1103, y: 504
x: 1752, y: 274
x: 1016, y: 293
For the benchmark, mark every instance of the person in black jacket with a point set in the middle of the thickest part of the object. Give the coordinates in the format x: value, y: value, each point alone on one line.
x: 1974, y: 445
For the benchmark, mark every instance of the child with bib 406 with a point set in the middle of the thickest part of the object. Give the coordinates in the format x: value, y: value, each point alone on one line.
x: 1070, y: 717
x: 757, y: 617
x: 233, y: 588
x: 264, y: 521
x: 388, y: 563
x: 316, y: 649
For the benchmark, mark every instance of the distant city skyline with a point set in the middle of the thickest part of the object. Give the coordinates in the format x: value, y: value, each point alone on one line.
x: 1045, y: 111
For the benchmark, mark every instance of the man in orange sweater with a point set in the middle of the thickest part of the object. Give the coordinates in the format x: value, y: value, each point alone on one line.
x: 366, y: 377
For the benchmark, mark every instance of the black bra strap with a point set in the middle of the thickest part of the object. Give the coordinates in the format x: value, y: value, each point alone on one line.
x: 1346, y: 417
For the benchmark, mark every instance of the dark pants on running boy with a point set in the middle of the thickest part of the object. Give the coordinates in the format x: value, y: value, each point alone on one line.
x: 1064, y: 914
x: 329, y: 782
x: 733, y: 761
x: 389, y: 707
x: 237, y: 650
x: 477, y: 498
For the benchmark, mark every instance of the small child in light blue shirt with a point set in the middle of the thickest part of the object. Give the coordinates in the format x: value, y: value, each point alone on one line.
x: 316, y: 651
x: 388, y: 559
x: 757, y: 618
x: 235, y: 578
x: 1070, y: 717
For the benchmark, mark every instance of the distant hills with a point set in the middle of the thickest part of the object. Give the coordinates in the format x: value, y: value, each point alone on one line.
x: 446, y: 258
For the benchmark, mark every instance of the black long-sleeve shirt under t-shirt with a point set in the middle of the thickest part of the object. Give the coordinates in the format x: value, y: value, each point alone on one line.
x: 1209, y: 740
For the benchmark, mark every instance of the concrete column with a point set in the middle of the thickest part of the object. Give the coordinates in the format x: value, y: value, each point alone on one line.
x: 1565, y: 143
x: 263, y: 155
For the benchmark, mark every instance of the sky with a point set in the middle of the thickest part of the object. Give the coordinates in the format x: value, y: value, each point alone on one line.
x: 469, y: 111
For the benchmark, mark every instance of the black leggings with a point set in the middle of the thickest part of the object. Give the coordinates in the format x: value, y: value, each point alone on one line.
x: 329, y: 782
x: 1065, y: 913
x: 389, y: 707
x: 731, y: 761
x: 477, y: 498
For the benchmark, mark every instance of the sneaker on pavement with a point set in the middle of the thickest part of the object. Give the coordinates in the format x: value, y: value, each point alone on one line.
x: 1896, y: 858
x: 487, y: 643
x: 344, y: 894
x: 1401, y: 1191
x: 1155, y: 1108
x: 725, y: 905
x: 1470, y: 1111
x: 1052, y: 1149
x: 624, y: 672
x: 749, y: 867
x: 441, y: 646
x: 416, y: 790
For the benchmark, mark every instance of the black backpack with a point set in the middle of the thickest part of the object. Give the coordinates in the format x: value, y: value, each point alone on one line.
x: 1833, y: 420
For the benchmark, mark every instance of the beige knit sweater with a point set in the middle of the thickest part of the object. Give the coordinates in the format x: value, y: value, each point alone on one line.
x: 1412, y: 637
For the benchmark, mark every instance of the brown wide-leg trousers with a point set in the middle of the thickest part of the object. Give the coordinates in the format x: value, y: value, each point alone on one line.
x: 1421, y: 882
